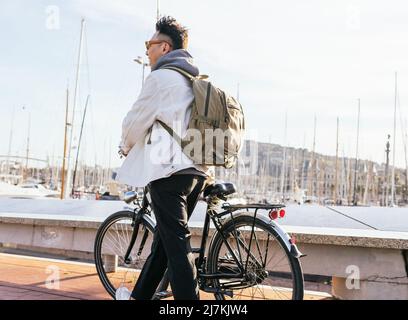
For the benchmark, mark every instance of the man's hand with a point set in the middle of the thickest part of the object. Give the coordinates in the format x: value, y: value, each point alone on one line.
x: 122, y: 153
x: 123, y: 150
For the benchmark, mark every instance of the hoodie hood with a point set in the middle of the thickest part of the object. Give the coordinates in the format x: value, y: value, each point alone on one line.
x: 179, y: 58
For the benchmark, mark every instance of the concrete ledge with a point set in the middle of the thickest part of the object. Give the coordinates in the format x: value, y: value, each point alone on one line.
x: 350, y: 237
x: 311, y: 235
x: 51, y: 220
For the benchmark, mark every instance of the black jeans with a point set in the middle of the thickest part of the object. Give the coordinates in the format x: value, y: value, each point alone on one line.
x: 173, y: 201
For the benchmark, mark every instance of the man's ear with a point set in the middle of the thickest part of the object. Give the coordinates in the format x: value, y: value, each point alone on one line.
x: 166, y: 48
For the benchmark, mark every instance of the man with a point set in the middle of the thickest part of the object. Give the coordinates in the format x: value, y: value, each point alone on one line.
x: 155, y: 159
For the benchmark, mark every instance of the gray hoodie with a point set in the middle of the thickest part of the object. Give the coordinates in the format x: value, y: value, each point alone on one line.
x: 179, y: 58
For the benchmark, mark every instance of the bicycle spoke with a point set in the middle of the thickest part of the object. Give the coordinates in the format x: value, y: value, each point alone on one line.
x: 112, y: 241
x: 266, y: 247
x: 257, y: 245
x: 276, y: 263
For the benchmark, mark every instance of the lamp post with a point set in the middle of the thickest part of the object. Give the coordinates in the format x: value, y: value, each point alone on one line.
x: 140, y: 60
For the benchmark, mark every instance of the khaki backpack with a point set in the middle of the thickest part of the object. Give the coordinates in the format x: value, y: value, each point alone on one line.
x: 216, y: 128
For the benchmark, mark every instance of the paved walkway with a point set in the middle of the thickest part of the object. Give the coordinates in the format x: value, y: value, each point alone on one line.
x: 32, y: 278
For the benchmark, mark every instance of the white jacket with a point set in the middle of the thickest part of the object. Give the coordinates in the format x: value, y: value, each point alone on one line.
x: 166, y: 96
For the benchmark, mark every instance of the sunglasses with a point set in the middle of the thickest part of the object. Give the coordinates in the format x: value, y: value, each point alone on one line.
x: 148, y: 44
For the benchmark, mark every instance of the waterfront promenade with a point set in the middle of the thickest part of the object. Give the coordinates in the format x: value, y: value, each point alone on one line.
x: 66, y: 230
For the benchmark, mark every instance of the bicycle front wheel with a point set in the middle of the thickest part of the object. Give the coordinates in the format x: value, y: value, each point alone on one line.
x: 264, y: 269
x: 112, y: 241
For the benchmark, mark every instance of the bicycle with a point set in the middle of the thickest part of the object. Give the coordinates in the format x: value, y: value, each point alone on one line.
x: 234, y: 265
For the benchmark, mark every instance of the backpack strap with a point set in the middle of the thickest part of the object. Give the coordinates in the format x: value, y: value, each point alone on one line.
x: 188, y: 75
x: 165, y: 126
x: 172, y: 133
x: 184, y: 73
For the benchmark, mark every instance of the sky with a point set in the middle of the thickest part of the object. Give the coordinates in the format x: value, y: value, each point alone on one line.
x: 294, y: 59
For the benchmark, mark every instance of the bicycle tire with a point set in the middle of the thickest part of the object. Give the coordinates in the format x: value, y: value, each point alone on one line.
x: 111, y: 279
x: 215, y: 262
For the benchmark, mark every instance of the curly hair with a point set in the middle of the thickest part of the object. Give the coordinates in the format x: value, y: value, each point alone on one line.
x: 170, y: 27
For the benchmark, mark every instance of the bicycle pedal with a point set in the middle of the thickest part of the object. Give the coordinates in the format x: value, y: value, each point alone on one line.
x: 162, y: 295
x: 228, y: 293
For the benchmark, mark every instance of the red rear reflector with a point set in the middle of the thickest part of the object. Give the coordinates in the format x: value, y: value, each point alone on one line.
x: 273, y: 214
x: 281, y: 213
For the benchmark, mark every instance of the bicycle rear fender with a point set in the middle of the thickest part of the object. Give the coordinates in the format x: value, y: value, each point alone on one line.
x: 293, y: 249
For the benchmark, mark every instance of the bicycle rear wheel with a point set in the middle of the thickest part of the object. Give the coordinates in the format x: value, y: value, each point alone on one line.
x: 270, y: 271
x: 111, y: 244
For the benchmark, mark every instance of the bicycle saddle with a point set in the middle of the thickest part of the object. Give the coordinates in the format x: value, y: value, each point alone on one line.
x: 220, y: 189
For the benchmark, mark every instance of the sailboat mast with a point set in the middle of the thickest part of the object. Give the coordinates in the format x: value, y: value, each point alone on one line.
x: 393, y: 146
x: 406, y: 166
x: 110, y: 158
x: 367, y: 185
x: 343, y: 185
x: 302, y: 171
x: 74, y: 106
x: 356, y: 162
x: 292, y: 178
x: 312, y: 160
x: 28, y: 146
x: 337, y: 163
x: 283, y: 171
x: 65, y: 149
x: 404, y: 141
x: 10, y: 141
x: 386, y: 175
x: 79, y: 145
